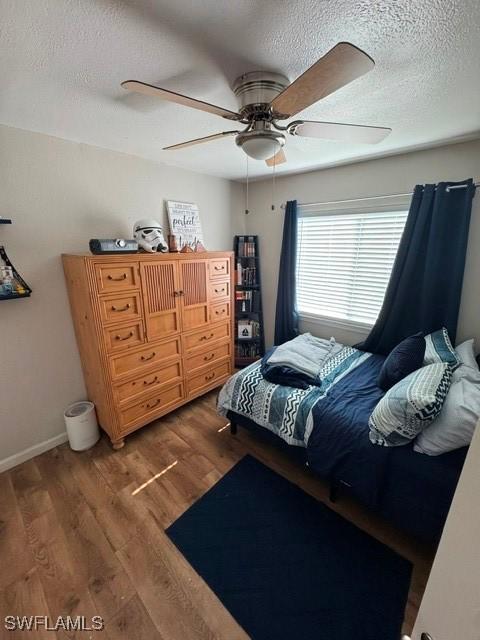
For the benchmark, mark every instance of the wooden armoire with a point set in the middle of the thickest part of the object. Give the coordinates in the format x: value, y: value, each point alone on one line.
x: 154, y: 331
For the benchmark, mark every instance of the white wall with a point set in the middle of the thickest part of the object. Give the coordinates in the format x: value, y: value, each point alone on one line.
x: 59, y: 195
x: 395, y: 174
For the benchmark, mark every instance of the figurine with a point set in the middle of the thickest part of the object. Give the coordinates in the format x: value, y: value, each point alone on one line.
x: 149, y: 235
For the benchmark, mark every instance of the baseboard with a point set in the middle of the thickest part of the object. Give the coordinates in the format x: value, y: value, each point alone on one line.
x: 31, y: 452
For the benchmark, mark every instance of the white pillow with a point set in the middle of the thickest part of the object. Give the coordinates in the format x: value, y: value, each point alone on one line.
x: 466, y: 355
x: 455, y: 425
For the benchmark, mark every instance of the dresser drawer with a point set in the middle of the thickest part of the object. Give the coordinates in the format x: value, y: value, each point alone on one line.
x: 208, y: 376
x: 219, y: 290
x: 124, y: 336
x: 148, y: 382
x: 146, y: 358
x: 147, y: 409
x: 220, y: 312
x: 119, y: 307
x: 116, y: 277
x: 210, y: 357
x: 219, y: 268
x: 201, y: 339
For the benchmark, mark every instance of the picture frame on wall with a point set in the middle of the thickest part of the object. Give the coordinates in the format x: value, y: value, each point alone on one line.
x: 185, y: 225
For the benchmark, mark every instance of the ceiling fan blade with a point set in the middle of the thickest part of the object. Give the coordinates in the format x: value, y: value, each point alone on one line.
x: 190, y: 143
x: 356, y: 133
x: 278, y: 158
x: 186, y: 101
x: 338, y: 67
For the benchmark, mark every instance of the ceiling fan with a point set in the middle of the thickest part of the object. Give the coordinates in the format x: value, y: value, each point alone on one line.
x: 266, y: 98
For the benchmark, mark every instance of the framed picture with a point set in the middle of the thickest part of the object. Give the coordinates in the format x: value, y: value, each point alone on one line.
x: 184, y: 221
x: 245, y: 330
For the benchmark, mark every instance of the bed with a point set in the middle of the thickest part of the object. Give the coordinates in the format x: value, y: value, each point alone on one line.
x: 327, y: 426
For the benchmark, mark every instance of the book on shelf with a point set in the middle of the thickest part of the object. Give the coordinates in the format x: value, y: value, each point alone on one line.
x: 246, y: 247
x: 247, y: 301
x: 246, y: 276
x: 248, y: 351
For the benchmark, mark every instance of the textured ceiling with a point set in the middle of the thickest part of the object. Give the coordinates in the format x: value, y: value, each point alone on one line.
x: 63, y: 61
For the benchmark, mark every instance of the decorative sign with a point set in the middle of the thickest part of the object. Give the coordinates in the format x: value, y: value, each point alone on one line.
x: 184, y: 220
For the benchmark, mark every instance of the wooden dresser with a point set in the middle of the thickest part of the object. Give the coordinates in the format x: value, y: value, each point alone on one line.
x: 153, y: 330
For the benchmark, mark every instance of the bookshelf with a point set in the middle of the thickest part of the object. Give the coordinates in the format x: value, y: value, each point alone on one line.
x: 249, y: 330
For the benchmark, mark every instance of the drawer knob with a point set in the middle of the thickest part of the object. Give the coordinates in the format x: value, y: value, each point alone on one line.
x: 130, y: 335
x: 207, y: 337
x: 125, y: 308
x: 145, y: 358
x: 209, y: 377
x: 217, y: 268
x: 122, y: 277
x: 147, y: 384
x: 154, y: 404
x: 219, y: 313
x: 210, y: 357
x: 222, y: 290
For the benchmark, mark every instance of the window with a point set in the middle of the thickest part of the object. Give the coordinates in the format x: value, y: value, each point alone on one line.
x: 344, y: 261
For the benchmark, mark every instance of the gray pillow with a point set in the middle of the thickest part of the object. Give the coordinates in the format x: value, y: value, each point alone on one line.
x: 466, y: 355
x: 455, y: 426
x: 410, y: 406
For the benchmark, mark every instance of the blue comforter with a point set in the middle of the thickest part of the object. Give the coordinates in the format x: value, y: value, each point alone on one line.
x: 286, y: 411
x: 339, y: 447
x: 411, y: 489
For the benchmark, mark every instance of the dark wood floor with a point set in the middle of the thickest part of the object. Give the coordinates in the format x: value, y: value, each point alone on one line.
x: 83, y: 533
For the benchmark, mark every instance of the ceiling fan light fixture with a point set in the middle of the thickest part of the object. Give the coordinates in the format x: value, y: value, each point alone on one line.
x: 261, y: 148
x: 261, y: 143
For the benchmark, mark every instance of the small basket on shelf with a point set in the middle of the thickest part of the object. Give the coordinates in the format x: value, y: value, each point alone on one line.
x: 12, y: 285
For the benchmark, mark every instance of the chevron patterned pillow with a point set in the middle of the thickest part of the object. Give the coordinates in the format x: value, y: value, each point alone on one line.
x: 411, y: 405
x: 438, y: 348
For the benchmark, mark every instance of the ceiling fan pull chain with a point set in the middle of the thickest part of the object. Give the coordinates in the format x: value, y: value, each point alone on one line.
x: 246, y: 193
x: 273, y: 181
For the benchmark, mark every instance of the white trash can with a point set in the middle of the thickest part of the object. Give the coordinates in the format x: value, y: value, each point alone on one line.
x: 82, y: 426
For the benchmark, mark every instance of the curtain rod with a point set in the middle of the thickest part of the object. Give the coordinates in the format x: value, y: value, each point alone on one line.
x: 391, y: 195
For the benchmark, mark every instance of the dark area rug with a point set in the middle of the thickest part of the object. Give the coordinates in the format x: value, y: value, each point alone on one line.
x: 286, y: 566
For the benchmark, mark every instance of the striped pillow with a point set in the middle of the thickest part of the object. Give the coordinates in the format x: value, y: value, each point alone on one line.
x: 438, y: 348
x: 411, y: 405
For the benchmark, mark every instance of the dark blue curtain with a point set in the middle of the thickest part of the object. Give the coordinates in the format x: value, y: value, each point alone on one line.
x: 426, y: 282
x: 286, y: 318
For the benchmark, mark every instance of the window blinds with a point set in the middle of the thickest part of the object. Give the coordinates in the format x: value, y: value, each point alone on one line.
x: 344, y: 261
